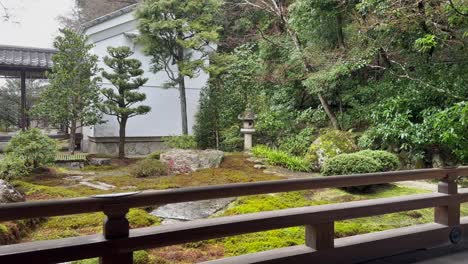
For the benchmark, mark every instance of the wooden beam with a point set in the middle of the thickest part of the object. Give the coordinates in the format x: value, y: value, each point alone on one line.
x: 353, y: 249
x: 23, y: 117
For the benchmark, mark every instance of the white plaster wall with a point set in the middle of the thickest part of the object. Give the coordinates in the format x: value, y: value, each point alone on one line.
x: 165, y: 116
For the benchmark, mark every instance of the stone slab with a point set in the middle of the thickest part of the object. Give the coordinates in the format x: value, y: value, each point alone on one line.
x: 192, y: 210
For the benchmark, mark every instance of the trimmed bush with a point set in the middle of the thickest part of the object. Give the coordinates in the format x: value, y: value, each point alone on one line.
x: 181, y: 142
x: 281, y: 158
x: 12, y: 167
x: 346, y: 164
x: 148, y: 168
x: 35, y: 148
x: 388, y: 161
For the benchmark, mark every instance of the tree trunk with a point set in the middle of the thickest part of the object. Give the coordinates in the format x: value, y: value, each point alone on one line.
x: 72, y: 140
x: 123, y: 125
x: 331, y: 115
x: 183, y: 105
x: 339, y: 29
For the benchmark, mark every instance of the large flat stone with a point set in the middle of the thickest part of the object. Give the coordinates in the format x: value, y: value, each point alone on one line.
x: 192, y: 210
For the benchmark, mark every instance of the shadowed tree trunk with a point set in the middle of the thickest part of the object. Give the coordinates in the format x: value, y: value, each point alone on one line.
x: 72, y: 140
x: 122, y: 135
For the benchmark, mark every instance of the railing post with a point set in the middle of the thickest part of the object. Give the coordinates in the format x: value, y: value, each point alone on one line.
x: 320, y: 236
x: 448, y: 215
x: 116, y: 226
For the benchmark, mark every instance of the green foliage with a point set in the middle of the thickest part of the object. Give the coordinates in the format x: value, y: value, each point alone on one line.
x: 13, y: 167
x: 281, y: 158
x: 126, y: 77
x: 181, y: 142
x: 171, y: 30
x: 388, y: 161
x: 298, y: 145
x: 148, y: 168
x: 73, y: 95
x: 347, y: 164
x: 36, y: 149
x: 425, y: 44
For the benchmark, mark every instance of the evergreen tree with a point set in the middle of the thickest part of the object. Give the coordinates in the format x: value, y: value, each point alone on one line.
x: 127, y: 79
x: 73, y: 94
x: 171, y: 30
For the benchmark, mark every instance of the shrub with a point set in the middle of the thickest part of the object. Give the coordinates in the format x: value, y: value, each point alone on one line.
x: 148, y: 168
x: 281, y: 158
x: 298, y: 144
x: 12, y: 167
x: 155, y: 155
x: 330, y: 144
x: 181, y: 142
x: 35, y: 148
x: 345, y: 164
x: 388, y: 161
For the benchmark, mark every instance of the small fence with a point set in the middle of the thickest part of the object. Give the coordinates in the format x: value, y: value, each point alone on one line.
x: 117, y: 242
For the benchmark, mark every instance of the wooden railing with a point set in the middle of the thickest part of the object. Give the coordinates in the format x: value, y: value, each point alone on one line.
x: 117, y: 242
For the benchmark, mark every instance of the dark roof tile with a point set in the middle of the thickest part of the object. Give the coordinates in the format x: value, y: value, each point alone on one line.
x: 17, y: 57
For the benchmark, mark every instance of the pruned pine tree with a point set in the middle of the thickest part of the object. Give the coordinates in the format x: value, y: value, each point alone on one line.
x: 171, y: 30
x: 120, y: 100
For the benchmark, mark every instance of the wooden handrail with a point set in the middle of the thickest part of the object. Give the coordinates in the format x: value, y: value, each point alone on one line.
x: 118, y: 241
x: 15, y: 211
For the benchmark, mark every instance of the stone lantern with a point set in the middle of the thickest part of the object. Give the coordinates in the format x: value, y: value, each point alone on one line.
x: 248, y: 127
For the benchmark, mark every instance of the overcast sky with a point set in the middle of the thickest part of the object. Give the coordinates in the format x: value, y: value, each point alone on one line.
x: 34, y: 22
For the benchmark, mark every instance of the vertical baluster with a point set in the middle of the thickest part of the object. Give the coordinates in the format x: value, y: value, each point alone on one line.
x: 320, y: 236
x: 450, y: 214
x: 116, y: 226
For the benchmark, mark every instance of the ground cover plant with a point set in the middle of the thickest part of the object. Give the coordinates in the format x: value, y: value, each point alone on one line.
x: 281, y: 158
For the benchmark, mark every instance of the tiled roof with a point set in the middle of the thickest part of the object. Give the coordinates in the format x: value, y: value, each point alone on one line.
x: 114, y: 14
x: 25, y: 57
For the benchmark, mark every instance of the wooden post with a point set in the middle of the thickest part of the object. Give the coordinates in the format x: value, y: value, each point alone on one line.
x: 116, y: 226
x: 448, y: 215
x: 320, y: 236
x: 23, y: 121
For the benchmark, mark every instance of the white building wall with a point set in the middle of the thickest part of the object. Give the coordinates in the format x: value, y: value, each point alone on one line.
x: 165, y: 116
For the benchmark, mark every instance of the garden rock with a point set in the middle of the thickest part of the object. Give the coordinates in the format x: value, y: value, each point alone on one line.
x: 259, y: 166
x: 185, y: 161
x: 192, y: 210
x: 8, y: 194
x: 100, y: 161
x: 330, y: 144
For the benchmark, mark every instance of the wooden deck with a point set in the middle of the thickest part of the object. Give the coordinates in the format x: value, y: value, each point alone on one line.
x: 443, y: 255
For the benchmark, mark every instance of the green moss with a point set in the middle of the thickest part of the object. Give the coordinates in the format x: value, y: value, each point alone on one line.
x: 141, y: 218
x: 42, y: 192
x: 331, y: 143
x: 99, y: 168
x: 86, y: 224
x: 261, y: 241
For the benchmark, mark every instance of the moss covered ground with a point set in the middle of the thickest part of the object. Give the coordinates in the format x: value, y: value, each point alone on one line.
x: 234, y: 169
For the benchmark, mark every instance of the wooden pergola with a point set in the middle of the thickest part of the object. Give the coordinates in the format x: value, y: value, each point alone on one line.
x: 23, y: 63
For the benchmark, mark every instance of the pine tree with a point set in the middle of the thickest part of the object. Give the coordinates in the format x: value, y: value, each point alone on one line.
x: 126, y: 79
x: 171, y: 30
